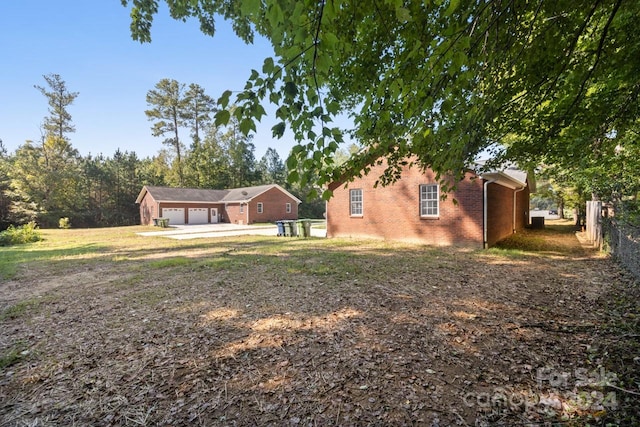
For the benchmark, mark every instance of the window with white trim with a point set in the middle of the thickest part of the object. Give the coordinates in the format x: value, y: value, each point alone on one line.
x: 429, y: 200
x: 288, y: 207
x: 241, y: 208
x: 260, y: 207
x: 355, y: 202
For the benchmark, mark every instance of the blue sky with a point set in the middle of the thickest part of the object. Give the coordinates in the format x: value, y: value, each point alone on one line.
x: 87, y: 42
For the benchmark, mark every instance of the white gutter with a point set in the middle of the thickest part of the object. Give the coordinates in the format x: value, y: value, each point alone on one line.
x: 514, y: 206
x: 485, y: 213
x: 326, y: 218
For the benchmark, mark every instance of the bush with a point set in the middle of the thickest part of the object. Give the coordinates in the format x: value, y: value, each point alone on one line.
x: 64, y: 223
x: 629, y: 210
x: 18, y: 235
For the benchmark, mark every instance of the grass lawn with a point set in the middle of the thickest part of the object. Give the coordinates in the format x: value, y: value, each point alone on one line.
x: 104, y: 327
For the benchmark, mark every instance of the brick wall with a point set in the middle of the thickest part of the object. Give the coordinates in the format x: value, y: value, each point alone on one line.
x: 500, y: 212
x: 522, y: 209
x: 186, y: 207
x: 393, y: 212
x: 148, y: 210
x: 273, y: 207
x: 273, y: 201
x: 233, y: 215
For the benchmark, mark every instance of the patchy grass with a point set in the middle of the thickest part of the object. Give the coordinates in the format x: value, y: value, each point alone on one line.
x: 169, y: 262
x: 272, y: 331
x: 18, y: 310
x: 524, y: 242
x: 12, y: 355
x: 556, y: 237
x: 80, y: 246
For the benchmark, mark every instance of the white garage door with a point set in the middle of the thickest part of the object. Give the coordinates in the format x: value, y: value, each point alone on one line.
x: 198, y: 216
x: 175, y: 215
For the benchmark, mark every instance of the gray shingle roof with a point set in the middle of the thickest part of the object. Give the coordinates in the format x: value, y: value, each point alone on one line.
x: 247, y: 193
x: 168, y: 194
x: 186, y: 194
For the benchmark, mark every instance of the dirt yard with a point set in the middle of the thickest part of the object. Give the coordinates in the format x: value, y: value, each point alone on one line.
x: 123, y: 330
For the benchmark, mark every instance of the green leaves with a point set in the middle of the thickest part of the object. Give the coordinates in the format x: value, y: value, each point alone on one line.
x: 250, y: 7
x: 403, y: 14
x: 441, y: 80
x: 278, y: 130
x: 290, y: 89
x: 268, y: 66
x: 222, y: 117
x: 453, y: 5
x: 246, y: 126
x: 223, y: 101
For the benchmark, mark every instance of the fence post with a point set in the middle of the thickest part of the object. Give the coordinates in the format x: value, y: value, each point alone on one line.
x: 594, y: 222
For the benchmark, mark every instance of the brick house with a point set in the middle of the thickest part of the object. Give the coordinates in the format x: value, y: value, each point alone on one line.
x: 488, y: 207
x: 263, y: 203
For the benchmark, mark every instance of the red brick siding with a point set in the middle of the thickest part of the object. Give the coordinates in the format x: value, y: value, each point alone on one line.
x: 522, y: 209
x: 393, y: 212
x: 273, y: 207
x: 500, y: 212
x: 186, y: 207
x: 234, y: 215
x: 148, y: 210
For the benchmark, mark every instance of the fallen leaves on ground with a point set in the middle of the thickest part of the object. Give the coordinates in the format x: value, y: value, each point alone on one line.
x: 316, y: 332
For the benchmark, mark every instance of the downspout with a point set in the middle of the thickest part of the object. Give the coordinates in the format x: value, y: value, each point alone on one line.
x: 514, y: 207
x: 326, y: 218
x: 485, y: 213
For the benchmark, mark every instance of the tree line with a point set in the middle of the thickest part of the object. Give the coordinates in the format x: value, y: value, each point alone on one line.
x: 48, y: 179
x: 545, y: 84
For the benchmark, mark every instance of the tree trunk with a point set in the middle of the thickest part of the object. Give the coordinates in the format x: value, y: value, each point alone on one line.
x: 177, y: 146
x: 561, y: 208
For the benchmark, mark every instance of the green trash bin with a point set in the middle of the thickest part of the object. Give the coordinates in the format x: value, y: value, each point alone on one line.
x: 300, y: 229
x: 306, y: 224
x: 288, y: 229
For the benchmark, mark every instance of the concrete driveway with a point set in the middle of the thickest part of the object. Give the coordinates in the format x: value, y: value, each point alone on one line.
x: 183, y: 232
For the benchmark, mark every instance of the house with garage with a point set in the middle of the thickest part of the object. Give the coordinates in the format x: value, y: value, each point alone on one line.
x: 262, y: 203
x: 483, y: 209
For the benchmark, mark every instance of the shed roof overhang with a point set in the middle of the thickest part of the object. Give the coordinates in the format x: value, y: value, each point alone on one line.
x: 142, y: 193
x: 503, y: 179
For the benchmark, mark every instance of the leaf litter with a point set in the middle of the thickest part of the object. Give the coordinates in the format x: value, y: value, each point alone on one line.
x: 317, y: 333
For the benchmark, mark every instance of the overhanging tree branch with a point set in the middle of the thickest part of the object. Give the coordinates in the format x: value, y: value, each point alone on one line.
x: 599, y: 50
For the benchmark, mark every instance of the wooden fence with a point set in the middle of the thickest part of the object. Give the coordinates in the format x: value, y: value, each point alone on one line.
x: 594, y: 222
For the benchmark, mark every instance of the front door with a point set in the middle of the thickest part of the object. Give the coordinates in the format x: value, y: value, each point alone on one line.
x: 214, y: 215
